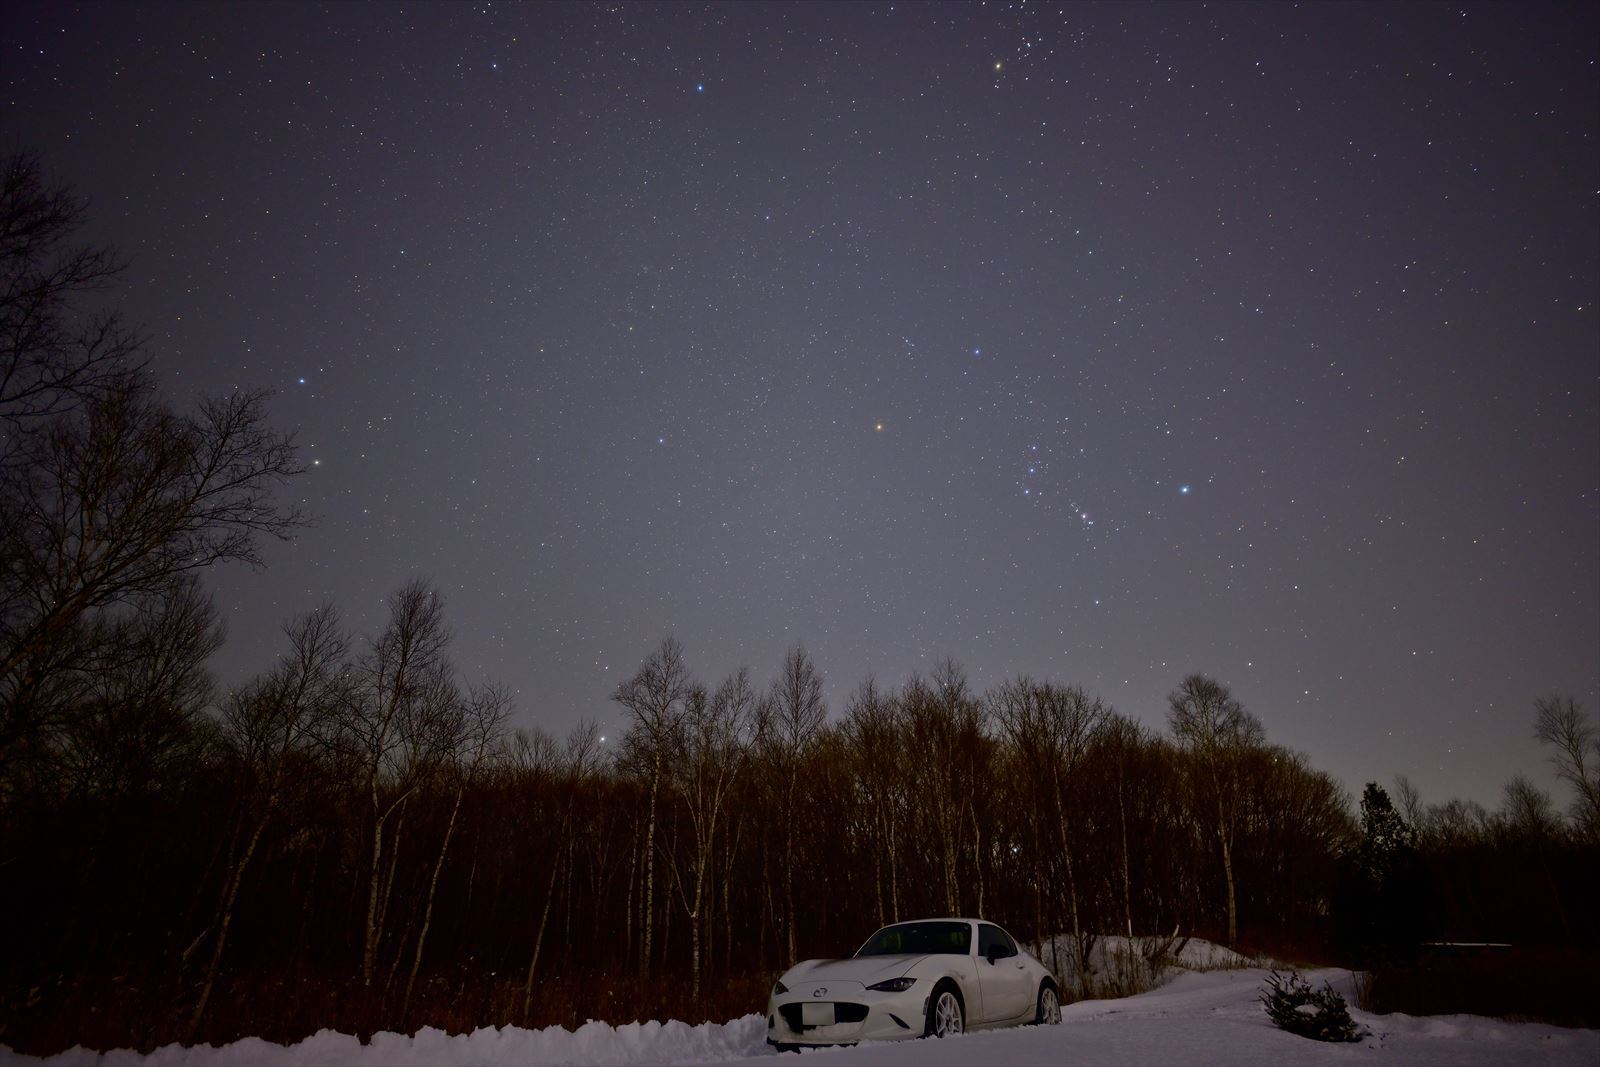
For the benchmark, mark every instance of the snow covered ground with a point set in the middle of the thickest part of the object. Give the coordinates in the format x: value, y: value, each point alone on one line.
x: 1210, y: 1017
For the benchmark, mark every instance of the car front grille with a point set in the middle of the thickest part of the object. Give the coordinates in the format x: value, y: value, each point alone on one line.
x: 842, y: 1013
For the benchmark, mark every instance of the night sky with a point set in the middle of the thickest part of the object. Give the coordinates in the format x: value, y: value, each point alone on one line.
x: 1099, y: 343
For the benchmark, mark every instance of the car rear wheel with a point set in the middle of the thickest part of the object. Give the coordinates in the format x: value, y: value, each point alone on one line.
x: 1049, y: 1011
x: 945, y: 1014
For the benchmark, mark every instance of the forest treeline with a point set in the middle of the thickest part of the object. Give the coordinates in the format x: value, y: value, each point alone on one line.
x: 359, y: 838
x: 357, y: 820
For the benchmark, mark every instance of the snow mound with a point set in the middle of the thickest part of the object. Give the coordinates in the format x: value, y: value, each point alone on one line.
x: 1198, y: 1019
x: 591, y: 1045
x: 1120, y: 966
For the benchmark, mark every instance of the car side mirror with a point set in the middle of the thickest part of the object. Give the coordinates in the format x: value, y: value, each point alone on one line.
x: 993, y: 954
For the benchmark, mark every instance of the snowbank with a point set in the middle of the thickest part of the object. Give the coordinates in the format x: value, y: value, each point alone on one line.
x: 1197, y: 1018
x: 1120, y: 966
x: 1204, y: 1019
x: 591, y: 1044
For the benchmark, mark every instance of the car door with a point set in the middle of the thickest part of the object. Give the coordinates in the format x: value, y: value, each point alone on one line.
x: 1008, y: 991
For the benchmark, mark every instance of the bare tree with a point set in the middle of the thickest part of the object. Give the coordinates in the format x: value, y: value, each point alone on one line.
x: 404, y: 681
x: 655, y: 697
x: 269, y: 724
x: 107, y: 496
x: 1562, y: 725
x: 112, y: 502
x: 584, y: 766
x: 1528, y: 811
x: 790, y: 720
x: 470, y: 733
x: 135, y: 711
x: 1217, y: 732
x: 1051, y: 727
x: 53, y: 355
x: 1122, y: 738
x: 872, y: 734
x: 712, y: 758
x: 1409, y: 801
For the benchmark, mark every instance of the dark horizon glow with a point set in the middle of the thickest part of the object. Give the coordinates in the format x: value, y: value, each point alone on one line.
x: 1103, y: 343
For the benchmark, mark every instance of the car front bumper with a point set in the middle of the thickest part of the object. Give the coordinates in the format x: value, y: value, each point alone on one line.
x: 842, y: 1013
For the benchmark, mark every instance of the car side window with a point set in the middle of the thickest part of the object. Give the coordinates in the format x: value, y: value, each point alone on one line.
x: 995, y: 939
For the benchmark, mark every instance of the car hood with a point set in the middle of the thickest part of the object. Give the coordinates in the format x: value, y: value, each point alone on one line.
x: 864, y: 969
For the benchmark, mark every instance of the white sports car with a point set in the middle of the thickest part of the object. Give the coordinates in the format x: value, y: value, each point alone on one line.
x: 932, y: 977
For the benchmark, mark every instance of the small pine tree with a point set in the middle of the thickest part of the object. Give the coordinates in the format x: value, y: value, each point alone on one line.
x: 1386, y: 841
x: 1379, y: 912
x: 1320, y: 1014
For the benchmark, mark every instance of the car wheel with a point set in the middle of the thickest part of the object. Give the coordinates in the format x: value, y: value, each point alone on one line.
x: 1049, y: 1011
x: 945, y: 1013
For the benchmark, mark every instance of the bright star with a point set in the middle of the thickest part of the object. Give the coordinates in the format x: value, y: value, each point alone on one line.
x: 700, y: 88
x: 878, y: 427
x: 1184, y: 489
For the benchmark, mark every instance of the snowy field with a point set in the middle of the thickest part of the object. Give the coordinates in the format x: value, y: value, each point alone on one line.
x: 1208, y: 1017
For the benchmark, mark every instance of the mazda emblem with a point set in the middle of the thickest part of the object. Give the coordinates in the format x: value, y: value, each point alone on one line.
x: 820, y: 991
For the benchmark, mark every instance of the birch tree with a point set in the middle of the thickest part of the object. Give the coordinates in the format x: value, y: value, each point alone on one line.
x: 873, y: 735
x: 271, y: 724
x: 792, y: 716
x: 470, y: 732
x: 1051, y: 726
x: 655, y: 698
x: 712, y: 758
x: 1561, y: 725
x: 403, y: 679
x: 1217, y: 732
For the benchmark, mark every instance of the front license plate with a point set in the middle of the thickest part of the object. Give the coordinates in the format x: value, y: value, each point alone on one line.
x: 816, y: 1014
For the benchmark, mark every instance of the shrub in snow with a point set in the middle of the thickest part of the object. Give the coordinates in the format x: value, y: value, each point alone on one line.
x: 1316, y: 1013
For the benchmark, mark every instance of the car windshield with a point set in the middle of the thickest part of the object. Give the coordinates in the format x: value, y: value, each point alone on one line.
x: 919, y: 939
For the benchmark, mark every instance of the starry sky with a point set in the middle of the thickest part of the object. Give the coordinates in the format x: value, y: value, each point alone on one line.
x: 1104, y: 343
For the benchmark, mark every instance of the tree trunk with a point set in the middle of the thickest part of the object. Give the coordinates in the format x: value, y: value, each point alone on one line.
x: 387, y: 896
x: 1233, y: 914
x: 1225, y: 839
x: 977, y: 852
x: 633, y: 877
x: 369, y: 943
x: 236, y: 878
x: 427, y: 911
x: 877, y: 869
x: 538, y: 938
x: 1127, y: 882
x: 894, y: 872
x: 694, y: 939
x: 788, y: 878
x: 1081, y: 964
x: 645, y: 942
x: 727, y: 897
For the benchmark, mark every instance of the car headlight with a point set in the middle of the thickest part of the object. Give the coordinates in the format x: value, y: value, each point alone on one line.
x: 894, y: 985
x: 779, y: 989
